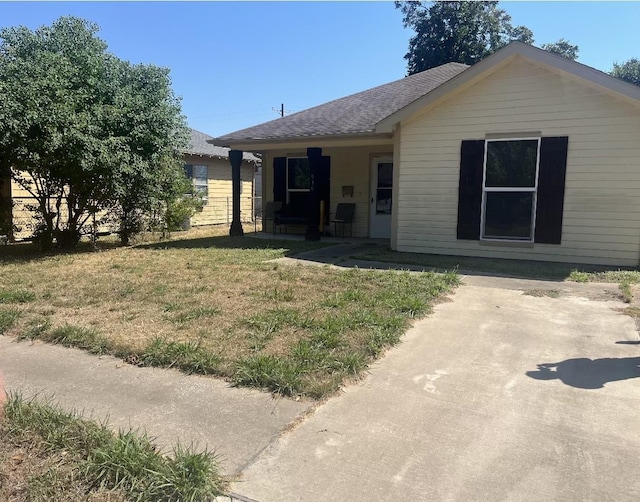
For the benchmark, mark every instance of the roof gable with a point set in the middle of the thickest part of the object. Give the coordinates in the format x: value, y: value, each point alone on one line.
x: 485, y: 67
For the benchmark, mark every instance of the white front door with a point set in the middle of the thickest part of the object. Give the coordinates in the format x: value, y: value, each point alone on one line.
x: 380, y: 203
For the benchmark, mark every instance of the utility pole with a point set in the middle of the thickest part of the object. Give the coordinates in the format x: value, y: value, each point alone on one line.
x: 279, y: 111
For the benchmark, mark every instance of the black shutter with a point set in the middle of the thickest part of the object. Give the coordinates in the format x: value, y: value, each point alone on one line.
x: 470, y: 189
x: 188, y: 171
x: 280, y: 179
x: 551, y: 179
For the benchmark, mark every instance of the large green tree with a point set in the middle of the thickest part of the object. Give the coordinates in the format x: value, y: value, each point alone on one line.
x: 628, y: 71
x: 85, y: 132
x: 463, y: 32
x: 562, y: 48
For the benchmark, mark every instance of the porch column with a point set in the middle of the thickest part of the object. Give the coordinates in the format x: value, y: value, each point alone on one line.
x: 313, y: 232
x: 235, y: 158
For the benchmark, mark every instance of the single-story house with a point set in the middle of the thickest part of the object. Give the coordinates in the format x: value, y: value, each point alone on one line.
x: 523, y: 155
x: 208, y: 167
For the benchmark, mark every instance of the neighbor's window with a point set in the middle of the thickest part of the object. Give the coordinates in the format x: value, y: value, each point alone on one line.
x: 200, y: 176
x: 509, y: 189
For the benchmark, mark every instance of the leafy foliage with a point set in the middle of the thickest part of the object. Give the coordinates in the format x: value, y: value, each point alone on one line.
x: 84, y: 131
x: 562, y: 48
x: 628, y: 71
x: 463, y: 32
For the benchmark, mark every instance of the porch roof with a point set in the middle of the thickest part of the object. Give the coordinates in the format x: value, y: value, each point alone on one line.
x: 352, y: 115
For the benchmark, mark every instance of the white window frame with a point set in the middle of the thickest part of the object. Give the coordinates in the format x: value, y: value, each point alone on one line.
x: 486, y: 189
x: 294, y: 190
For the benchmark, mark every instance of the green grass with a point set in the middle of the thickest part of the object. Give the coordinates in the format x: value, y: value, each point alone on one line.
x: 189, y: 357
x: 551, y: 293
x: 8, y: 317
x: 90, y: 457
x: 16, y: 296
x: 516, y: 268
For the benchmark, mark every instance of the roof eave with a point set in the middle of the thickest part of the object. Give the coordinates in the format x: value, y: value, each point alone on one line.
x: 272, y: 143
x: 493, y: 62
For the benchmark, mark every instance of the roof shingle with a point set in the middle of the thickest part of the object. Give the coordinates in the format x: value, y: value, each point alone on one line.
x: 355, y: 114
x: 198, y: 146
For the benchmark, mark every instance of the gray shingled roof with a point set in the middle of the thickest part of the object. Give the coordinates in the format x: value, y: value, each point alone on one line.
x: 355, y: 114
x: 198, y: 146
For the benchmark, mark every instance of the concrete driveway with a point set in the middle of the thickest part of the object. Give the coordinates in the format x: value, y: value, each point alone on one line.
x: 496, y: 396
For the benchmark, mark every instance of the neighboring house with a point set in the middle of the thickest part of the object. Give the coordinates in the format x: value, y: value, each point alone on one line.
x: 524, y: 155
x: 208, y: 166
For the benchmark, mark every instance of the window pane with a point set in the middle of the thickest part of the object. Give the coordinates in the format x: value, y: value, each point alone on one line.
x: 511, y: 163
x: 385, y: 175
x: 383, y: 201
x: 200, y: 172
x: 508, y: 215
x: 202, y: 188
x: 299, y: 174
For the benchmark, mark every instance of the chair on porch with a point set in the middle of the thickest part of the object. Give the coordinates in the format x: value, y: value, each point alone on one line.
x: 344, y: 216
x: 270, y: 210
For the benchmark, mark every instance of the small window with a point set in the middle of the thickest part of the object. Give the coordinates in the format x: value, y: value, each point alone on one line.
x: 384, y: 189
x: 201, y: 179
x: 199, y: 175
x: 510, y: 189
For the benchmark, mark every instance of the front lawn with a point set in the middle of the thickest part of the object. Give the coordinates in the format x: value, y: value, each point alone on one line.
x: 216, y: 305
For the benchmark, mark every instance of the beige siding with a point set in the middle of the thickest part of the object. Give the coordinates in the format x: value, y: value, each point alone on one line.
x: 22, y: 217
x: 350, y: 166
x: 217, y: 209
x: 601, y: 221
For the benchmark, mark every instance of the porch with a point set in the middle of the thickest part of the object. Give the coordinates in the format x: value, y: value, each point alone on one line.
x: 357, y: 177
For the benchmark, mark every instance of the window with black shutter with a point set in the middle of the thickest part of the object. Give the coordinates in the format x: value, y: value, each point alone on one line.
x: 512, y: 189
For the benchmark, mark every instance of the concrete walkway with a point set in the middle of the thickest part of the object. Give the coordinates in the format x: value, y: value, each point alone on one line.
x: 496, y: 396
x: 169, y: 405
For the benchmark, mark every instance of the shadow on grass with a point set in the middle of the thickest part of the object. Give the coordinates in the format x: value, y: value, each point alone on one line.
x: 27, y: 251
x: 293, y: 247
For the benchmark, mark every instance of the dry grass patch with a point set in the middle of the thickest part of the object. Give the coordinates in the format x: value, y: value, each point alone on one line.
x: 216, y: 305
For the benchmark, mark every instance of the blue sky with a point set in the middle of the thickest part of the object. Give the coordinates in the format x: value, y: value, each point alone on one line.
x: 232, y: 62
